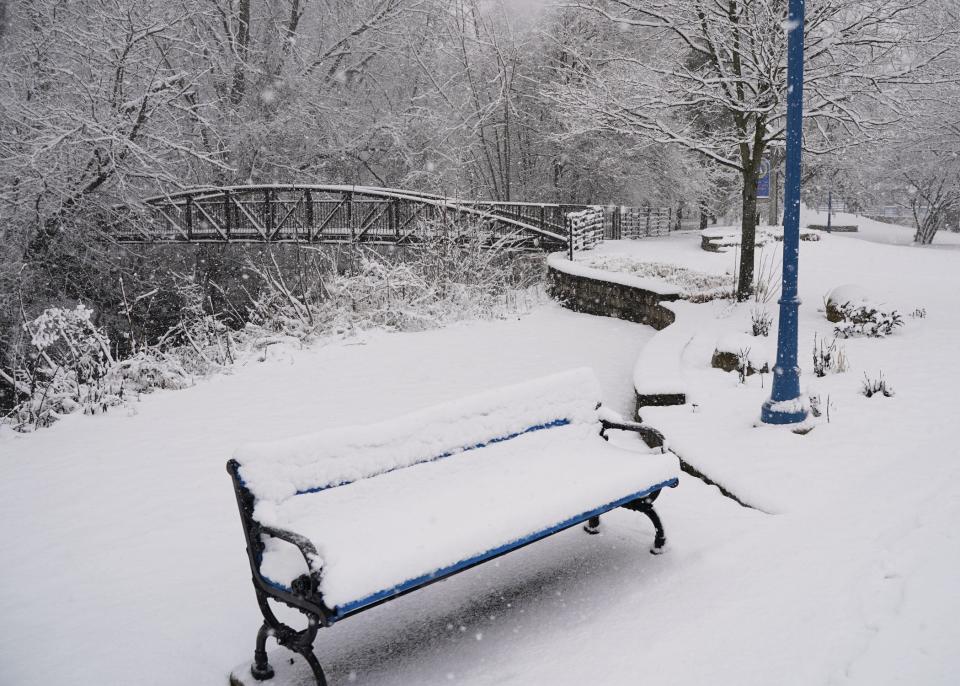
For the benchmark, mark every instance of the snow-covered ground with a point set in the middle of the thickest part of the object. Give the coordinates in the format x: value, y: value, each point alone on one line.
x: 123, y: 559
x: 880, y: 232
x: 868, y: 500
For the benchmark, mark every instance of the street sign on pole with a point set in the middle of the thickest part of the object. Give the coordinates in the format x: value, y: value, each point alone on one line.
x: 763, y: 183
x: 784, y: 405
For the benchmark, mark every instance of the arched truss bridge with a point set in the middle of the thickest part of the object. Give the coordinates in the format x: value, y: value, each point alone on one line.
x: 334, y: 214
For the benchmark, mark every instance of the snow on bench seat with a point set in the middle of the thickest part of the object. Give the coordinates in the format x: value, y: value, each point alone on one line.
x: 379, y: 534
x: 276, y: 470
x: 391, y: 505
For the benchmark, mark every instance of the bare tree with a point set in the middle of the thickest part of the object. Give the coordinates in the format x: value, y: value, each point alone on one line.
x: 710, y: 77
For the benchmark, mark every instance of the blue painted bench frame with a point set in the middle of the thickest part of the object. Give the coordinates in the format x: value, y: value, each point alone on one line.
x: 304, y: 593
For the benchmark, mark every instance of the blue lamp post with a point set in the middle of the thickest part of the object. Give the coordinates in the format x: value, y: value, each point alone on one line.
x: 784, y: 405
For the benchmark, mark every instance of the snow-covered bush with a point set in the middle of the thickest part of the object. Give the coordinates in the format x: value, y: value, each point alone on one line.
x: 857, y: 320
x: 451, y: 278
x: 66, y: 363
x: 828, y: 357
x: 857, y: 315
x: 150, y: 369
x: 65, y: 369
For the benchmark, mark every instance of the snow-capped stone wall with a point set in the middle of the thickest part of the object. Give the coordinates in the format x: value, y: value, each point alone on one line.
x: 594, y: 291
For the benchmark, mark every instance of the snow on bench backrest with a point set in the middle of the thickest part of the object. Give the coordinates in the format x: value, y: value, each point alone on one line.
x: 276, y: 470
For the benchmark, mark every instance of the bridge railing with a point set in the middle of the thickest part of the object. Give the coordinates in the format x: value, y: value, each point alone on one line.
x: 585, y: 229
x: 648, y: 221
x: 546, y: 215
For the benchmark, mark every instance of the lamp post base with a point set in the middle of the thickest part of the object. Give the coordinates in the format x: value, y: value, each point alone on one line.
x: 783, y: 412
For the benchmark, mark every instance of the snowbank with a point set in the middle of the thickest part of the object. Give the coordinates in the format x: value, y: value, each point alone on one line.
x: 658, y: 370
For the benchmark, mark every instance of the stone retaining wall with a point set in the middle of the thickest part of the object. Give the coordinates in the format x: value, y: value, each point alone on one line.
x: 604, y: 298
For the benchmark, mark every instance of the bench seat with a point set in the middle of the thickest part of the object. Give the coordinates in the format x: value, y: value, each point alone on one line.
x: 381, y: 535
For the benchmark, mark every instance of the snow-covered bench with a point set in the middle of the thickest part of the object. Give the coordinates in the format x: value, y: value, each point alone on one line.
x: 342, y: 520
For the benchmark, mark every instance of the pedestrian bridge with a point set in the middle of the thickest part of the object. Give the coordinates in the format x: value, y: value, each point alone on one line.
x: 336, y: 214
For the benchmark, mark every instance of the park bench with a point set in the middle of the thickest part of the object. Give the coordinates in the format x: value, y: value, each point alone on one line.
x: 340, y: 521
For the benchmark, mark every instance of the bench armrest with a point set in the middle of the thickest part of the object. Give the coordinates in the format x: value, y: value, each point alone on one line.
x: 650, y: 436
x: 308, y: 583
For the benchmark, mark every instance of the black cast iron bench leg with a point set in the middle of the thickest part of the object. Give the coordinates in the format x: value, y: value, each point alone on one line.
x: 645, y: 506
x: 307, y: 653
x: 300, y: 642
x: 261, y: 669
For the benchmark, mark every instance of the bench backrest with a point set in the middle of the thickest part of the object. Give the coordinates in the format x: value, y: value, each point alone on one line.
x: 276, y: 470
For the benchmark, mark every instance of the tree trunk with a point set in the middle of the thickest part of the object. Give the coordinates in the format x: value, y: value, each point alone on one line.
x: 748, y: 233
x: 927, y: 229
x: 241, y: 53
x: 507, y: 164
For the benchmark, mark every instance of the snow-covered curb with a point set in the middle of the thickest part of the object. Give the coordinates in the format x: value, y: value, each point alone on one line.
x: 657, y: 375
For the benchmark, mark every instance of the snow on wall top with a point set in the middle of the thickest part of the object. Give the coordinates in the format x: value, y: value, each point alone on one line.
x: 560, y: 263
x: 276, y: 470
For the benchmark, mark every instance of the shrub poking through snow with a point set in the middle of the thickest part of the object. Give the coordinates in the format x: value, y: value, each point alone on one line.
x: 766, y: 284
x: 857, y: 315
x: 878, y: 386
x: 743, y: 364
x: 919, y: 313
x: 742, y: 354
x: 761, y: 322
x: 828, y: 357
x: 820, y: 407
x: 863, y: 320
